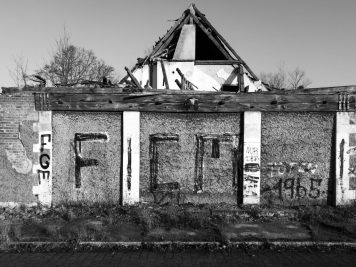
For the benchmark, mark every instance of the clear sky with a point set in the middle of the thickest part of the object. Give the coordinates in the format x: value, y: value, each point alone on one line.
x: 317, y: 35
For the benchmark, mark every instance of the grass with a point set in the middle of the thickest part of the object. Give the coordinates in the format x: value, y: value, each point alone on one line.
x: 89, y: 222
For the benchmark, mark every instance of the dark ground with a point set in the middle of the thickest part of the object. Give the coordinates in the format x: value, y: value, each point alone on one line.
x: 335, y: 257
x: 193, y: 223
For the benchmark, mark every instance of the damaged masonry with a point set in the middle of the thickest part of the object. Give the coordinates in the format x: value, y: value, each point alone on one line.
x: 190, y: 122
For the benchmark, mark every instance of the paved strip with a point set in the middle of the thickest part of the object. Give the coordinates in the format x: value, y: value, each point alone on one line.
x: 253, y: 257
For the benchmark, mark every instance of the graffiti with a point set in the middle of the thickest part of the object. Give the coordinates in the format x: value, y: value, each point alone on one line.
x: 154, y: 139
x: 235, y: 168
x: 44, y: 158
x: 251, y: 185
x: 215, y: 153
x: 81, y: 162
x: 352, y: 161
x: 294, y: 188
x: 252, y: 154
x: 251, y: 167
x: 283, y: 168
x: 129, y: 170
x: 342, y: 144
x: 216, y: 141
x: 351, y: 151
x: 251, y: 171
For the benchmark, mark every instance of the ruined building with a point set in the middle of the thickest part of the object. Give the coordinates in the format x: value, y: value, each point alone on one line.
x: 190, y: 123
x: 192, y: 55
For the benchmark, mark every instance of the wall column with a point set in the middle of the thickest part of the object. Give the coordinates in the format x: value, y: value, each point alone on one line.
x: 345, y: 157
x: 130, y: 157
x: 43, y: 170
x: 251, y: 157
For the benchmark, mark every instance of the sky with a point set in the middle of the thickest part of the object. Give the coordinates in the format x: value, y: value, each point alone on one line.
x: 319, y: 36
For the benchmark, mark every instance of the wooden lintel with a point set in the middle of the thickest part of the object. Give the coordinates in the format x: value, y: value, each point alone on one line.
x: 351, y: 89
x: 207, y: 102
x: 216, y: 62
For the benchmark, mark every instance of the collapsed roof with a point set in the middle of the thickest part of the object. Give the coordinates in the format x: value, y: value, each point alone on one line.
x: 210, y: 45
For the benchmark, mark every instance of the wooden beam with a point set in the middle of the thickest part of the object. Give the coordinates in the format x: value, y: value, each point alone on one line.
x: 156, y: 101
x: 219, y: 46
x: 240, y: 78
x: 165, y: 79
x: 351, y: 89
x: 134, y: 80
x: 216, y: 62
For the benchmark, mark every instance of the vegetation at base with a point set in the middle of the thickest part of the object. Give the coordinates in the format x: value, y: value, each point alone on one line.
x: 112, y: 222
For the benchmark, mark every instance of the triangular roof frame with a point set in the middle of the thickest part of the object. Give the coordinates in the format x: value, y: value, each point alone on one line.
x: 193, y: 15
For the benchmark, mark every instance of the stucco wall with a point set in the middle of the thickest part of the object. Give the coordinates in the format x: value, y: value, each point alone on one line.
x: 99, y: 182
x: 17, y: 136
x: 297, y: 158
x: 177, y: 159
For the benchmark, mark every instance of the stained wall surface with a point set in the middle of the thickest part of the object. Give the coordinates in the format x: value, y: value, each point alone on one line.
x: 86, y: 167
x: 17, y: 136
x: 297, y: 158
x: 178, y: 158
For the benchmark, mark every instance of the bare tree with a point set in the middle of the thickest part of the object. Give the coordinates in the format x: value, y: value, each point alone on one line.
x: 70, y: 64
x: 297, y: 79
x: 18, y: 73
x: 281, y: 79
x: 275, y: 79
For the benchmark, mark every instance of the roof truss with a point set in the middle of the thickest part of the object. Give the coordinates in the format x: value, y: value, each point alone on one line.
x: 193, y: 15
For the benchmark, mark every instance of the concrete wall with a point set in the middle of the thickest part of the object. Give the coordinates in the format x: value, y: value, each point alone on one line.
x: 99, y: 156
x: 297, y: 155
x: 297, y: 158
x: 17, y: 136
x: 178, y: 156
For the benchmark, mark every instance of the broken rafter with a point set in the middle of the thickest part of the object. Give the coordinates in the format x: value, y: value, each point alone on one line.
x: 165, y: 79
x: 240, y: 78
x: 133, y: 79
x: 166, y: 39
x: 185, y: 84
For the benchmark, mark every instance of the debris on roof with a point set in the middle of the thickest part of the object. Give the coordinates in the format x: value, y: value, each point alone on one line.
x: 192, y: 38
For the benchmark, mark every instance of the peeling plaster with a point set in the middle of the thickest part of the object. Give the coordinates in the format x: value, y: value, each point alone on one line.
x: 221, y: 73
x: 19, y: 160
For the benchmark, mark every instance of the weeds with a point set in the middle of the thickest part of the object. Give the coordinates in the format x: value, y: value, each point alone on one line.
x: 95, y: 221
